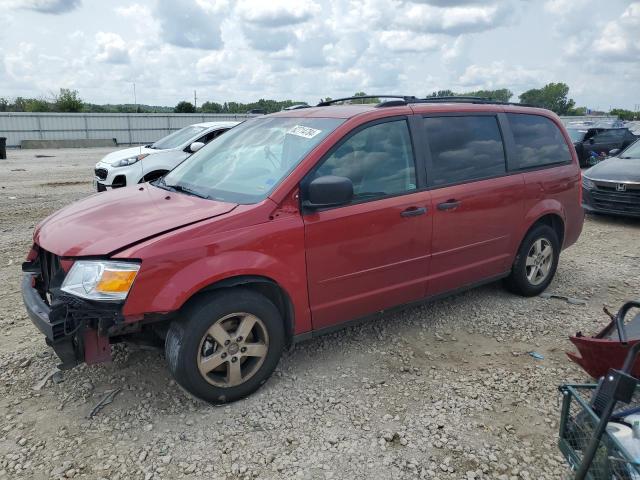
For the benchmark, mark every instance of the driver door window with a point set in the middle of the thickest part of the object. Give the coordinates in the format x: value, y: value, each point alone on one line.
x: 378, y: 160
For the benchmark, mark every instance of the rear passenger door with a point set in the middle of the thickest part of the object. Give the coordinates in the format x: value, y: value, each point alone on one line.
x: 476, y: 205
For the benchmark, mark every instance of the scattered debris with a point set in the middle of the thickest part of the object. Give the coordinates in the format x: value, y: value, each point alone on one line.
x: 536, y: 355
x: 38, y: 386
x: 571, y: 300
x: 18, y: 170
x: 106, y: 400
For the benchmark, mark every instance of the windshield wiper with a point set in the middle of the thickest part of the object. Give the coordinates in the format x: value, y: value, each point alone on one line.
x: 187, y: 190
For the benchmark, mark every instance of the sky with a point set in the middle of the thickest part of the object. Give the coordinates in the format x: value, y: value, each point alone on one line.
x: 305, y: 50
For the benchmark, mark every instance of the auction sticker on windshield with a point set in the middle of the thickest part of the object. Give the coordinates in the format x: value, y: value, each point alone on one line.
x: 305, y: 132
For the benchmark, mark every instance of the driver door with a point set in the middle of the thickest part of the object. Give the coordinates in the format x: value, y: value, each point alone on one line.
x: 372, y: 253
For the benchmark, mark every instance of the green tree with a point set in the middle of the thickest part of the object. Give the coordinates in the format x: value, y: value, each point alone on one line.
x: 552, y: 96
x: 37, y: 105
x: 184, y: 107
x: 501, y: 95
x: 4, y: 104
x: 68, y: 101
x: 211, y: 107
x: 442, y: 93
x: 624, y: 114
x: 364, y: 100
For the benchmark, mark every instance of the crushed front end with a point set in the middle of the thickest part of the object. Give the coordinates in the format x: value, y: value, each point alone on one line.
x: 77, y: 329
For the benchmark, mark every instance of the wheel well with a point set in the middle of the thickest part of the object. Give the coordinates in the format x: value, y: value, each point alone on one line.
x: 555, y: 222
x: 264, y: 286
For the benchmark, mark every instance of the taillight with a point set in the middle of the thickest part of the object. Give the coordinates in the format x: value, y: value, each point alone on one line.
x: 580, y: 191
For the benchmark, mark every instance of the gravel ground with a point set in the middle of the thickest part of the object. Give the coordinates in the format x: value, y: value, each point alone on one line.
x: 443, y: 391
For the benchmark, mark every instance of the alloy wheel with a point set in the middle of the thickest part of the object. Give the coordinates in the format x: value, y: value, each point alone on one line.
x: 233, y: 349
x: 539, y: 261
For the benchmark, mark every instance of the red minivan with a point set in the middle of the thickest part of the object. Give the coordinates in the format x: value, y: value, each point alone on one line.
x: 295, y: 223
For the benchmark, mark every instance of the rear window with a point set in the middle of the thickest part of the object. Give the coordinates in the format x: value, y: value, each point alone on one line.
x: 538, y: 141
x: 464, y: 148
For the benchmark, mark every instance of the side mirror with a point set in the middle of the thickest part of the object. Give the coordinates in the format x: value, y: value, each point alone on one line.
x: 328, y: 191
x: 614, y: 152
x: 195, y: 146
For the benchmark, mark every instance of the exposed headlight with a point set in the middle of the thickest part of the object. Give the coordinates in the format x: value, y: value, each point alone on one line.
x: 100, y: 280
x: 129, y: 161
x: 587, y: 183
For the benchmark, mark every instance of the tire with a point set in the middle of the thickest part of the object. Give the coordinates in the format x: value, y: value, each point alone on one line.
x: 524, y: 279
x: 191, y: 349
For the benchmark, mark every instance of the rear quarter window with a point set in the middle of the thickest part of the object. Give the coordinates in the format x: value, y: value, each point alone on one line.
x: 538, y: 141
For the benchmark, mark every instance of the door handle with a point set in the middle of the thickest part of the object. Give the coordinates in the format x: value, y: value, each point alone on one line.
x: 413, y: 211
x: 449, y: 205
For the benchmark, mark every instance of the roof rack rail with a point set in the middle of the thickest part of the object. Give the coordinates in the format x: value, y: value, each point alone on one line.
x: 399, y: 100
x: 405, y: 98
x: 468, y: 99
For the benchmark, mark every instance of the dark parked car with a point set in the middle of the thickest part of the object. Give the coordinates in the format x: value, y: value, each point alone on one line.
x: 613, y: 185
x: 599, y: 140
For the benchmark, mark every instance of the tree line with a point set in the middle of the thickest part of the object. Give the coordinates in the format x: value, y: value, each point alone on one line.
x: 553, y: 96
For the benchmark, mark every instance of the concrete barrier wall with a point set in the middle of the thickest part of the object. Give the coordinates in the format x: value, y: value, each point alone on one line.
x: 125, y: 128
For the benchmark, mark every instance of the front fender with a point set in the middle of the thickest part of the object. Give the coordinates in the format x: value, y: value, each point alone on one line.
x: 274, y: 250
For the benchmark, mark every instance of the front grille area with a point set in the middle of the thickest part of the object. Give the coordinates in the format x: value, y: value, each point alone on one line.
x: 51, y: 274
x: 101, y: 173
x: 607, y: 197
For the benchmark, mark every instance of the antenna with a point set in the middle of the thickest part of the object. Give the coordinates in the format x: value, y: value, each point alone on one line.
x: 195, y: 100
x: 135, y: 100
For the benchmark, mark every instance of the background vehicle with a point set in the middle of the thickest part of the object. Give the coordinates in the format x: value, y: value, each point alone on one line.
x: 613, y: 185
x: 295, y: 223
x: 146, y: 163
x: 599, y: 140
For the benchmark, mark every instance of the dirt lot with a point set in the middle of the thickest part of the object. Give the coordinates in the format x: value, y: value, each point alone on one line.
x: 443, y: 391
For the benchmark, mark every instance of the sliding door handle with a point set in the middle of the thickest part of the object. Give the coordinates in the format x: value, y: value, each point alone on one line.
x: 449, y: 205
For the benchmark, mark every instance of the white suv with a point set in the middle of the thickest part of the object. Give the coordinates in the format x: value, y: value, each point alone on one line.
x: 149, y: 162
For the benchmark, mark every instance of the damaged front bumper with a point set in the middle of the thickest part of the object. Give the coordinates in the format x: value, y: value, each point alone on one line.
x: 71, y: 327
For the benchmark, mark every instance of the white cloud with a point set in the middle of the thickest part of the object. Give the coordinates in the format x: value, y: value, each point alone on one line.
x: 407, y: 41
x: 498, y: 75
x: 277, y: 13
x: 454, y: 20
x: 187, y: 24
x: 620, y: 39
x: 54, y: 7
x: 111, y: 48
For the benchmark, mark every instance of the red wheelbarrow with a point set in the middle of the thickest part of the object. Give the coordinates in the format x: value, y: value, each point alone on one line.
x: 609, y: 348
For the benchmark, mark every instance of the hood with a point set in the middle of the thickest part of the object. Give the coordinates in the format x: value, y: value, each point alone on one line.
x: 108, y: 221
x: 616, y: 169
x: 127, y: 153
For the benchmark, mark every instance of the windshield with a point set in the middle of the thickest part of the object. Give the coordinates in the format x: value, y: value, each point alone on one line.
x: 247, y: 163
x: 576, y: 134
x: 178, y: 138
x: 633, y: 151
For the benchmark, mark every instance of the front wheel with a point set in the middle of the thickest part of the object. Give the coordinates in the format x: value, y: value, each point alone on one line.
x: 536, y: 262
x: 226, y: 346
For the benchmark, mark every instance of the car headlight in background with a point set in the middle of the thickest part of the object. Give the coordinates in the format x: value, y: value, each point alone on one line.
x: 100, y: 280
x: 587, y: 183
x: 129, y: 161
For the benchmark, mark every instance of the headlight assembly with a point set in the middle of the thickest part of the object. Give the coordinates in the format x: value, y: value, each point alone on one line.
x: 587, y: 183
x: 100, y: 280
x: 129, y: 161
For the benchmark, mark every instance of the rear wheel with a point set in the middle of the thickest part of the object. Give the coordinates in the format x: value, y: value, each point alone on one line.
x: 536, y: 262
x: 227, y: 345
